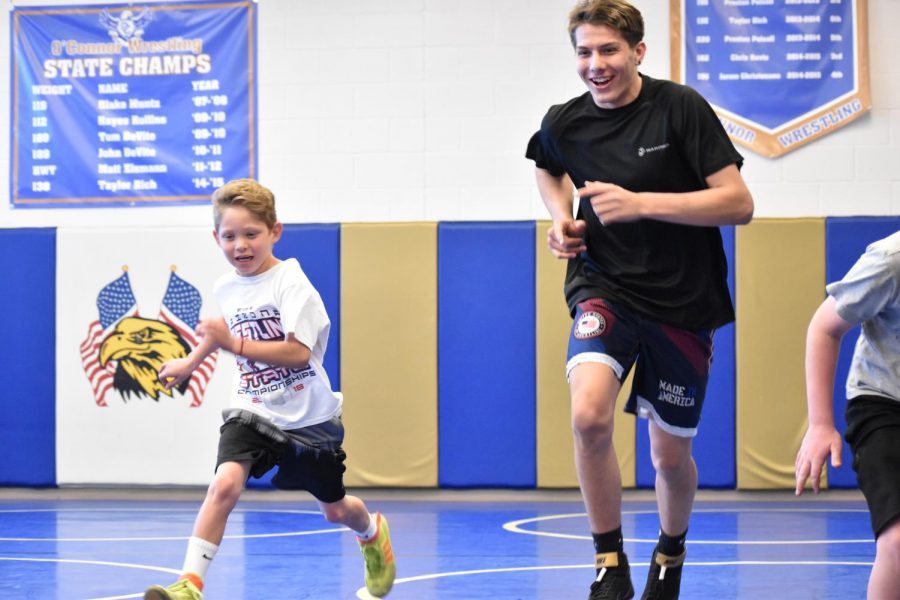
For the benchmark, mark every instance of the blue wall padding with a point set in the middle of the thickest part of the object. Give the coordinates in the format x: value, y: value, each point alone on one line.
x: 486, y: 355
x: 845, y: 241
x: 28, y: 427
x: 318, y: 248
x: 714, y: 446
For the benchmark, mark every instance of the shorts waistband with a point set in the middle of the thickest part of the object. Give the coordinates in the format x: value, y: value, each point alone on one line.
x: 269, y: 430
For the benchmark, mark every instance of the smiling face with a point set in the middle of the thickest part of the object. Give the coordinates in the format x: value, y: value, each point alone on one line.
x: 608, y: 65
x: 246, y: 241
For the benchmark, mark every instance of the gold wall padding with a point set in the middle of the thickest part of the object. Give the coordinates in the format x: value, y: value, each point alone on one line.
x: 389, y: 353
x: 780, y: 281
x: 624, y: 436
x: 555, y: 454
x: 555, y: 458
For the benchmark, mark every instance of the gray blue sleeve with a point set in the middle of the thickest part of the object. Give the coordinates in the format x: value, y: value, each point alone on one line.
x: 869, y: 287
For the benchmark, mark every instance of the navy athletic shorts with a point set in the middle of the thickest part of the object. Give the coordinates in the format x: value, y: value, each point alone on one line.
x: 308, y: 459
x: 672, y: 364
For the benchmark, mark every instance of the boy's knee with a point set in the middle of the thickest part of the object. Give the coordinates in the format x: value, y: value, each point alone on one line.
x: 224, y: 490
x: 888, y: 542
x: 591, y: 426
x: 334, y: 512
x: 666, y: 463
x: 670, y: 458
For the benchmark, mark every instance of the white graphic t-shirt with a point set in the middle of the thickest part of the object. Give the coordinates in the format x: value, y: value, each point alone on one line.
x: 266, y: 307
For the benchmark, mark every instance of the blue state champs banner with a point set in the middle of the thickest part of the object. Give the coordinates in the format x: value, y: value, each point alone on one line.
x: 117, y: 105
x: 779, y: 73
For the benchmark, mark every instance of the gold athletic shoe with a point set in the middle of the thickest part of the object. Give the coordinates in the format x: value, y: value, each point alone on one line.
x: 183, y: 589
x: 379, y: 557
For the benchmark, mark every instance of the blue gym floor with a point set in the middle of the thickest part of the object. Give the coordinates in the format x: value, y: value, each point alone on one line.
x: 79, y: 545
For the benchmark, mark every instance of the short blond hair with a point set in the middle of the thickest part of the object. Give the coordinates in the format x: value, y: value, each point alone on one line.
x: 249, y: 193
x: 618, y: 15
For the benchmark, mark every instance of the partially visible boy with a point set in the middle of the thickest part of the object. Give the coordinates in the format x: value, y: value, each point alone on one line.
x: 283, y: 411
x: 868, y: 295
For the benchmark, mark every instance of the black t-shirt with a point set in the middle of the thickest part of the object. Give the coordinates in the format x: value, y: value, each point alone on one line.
x: 667, y: 140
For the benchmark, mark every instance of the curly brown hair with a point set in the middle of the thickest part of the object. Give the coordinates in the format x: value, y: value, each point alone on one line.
x: 249, y: 193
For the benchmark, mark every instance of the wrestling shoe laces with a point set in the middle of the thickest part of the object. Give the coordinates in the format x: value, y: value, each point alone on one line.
x: 613, y: 580
x: 664, y: 578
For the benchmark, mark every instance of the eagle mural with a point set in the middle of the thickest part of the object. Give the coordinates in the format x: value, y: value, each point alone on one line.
x: 122, y: 352
x: 141, y: 346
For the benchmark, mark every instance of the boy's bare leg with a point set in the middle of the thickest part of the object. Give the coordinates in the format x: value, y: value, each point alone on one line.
x: 221, y: 498
x: 374, y: 538
x: 676, y: 479
x: 886, y: 571
x: 594, y: 388
x: 349, y: 511
x: 209, y: 528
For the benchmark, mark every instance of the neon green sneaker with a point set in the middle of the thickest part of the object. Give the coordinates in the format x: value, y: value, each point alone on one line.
x: 379, y: 557
x: 183, y: 589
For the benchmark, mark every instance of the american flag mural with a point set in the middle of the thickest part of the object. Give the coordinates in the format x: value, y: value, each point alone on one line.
x: 181, y: 309
x: 114, y: 302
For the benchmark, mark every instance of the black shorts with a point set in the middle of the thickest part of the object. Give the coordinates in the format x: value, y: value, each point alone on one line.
x: 873, y: 431
x: 308, y: 459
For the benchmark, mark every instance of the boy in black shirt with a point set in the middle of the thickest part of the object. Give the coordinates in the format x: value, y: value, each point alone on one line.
x: 646, y: 279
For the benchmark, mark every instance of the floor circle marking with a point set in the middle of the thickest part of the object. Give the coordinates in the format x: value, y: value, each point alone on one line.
x: 103, y: 563
x: 515, y: 527
x: 245, y: 536
x: 363, y: 594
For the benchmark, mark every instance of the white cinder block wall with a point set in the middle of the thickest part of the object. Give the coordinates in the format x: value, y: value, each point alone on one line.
x: 412, y: 110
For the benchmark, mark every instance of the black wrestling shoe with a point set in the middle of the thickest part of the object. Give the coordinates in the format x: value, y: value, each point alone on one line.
x: 664, y: 578
x: 614, y: 578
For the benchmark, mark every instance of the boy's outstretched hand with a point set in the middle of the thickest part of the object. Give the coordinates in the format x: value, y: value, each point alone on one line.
x: 172, y: 373
x: 818, y: 443
x: 215, y: 332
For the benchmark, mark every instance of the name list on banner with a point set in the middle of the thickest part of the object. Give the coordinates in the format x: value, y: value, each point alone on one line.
x: 779, y: 73
x: 124, y: 105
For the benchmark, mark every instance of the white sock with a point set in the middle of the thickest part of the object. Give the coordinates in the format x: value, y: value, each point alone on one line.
x: 370, y: 532
x: 198, y: 557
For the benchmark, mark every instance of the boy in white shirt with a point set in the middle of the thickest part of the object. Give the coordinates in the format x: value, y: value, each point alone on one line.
x: 282, y: 411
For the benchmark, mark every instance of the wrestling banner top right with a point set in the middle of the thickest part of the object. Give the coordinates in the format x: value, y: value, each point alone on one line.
x: 779, y: 73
